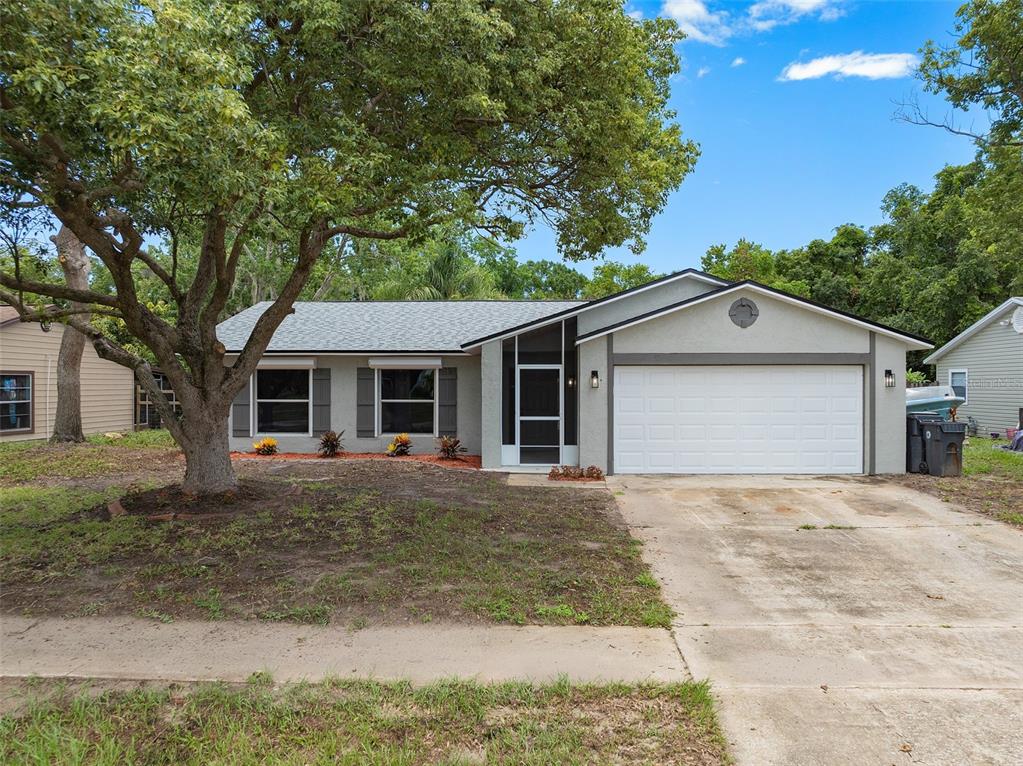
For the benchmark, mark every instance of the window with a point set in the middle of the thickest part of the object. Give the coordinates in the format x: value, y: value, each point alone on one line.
x: 16, y: 402
x: 407, y: 402
x: 282, y: 401
x: 958, y: 380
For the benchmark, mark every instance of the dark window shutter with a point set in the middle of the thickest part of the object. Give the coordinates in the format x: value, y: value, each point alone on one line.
x: 241, y: 420
x: 321, y: 400
x: 365, y: 409
x: 447, y: 409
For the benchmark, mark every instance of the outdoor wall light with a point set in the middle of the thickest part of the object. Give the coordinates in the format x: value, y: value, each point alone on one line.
x: 889, y: 379
x: 594, y: 379
x: 571, y: 381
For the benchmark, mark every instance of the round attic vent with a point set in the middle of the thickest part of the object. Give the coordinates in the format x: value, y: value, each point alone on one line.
x: 1017, y: 320
x: 743, y: 312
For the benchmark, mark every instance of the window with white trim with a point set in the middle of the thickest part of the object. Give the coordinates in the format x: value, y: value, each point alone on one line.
x: 15, y: 402
x: 407, y: 401
x: 959, y: 380
x: 283, y: 401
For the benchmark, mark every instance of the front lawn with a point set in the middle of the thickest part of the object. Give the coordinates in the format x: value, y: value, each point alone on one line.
x: 39, y: 462
x: 992, y: 481
x: 361, y: 722
x: 347, y: 542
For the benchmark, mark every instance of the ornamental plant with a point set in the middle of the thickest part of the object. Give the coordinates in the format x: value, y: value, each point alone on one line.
x: 450, y: 448
x: 266, y: 446
x: 330, y: 444
x: 401, y: 444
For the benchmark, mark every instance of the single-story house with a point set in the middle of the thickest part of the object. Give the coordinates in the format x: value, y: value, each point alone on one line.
x: 686, y: 374
x: 28, y: 383
x: 984, y: 364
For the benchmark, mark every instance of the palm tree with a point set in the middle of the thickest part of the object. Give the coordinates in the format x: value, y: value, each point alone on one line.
x: 450, y: 274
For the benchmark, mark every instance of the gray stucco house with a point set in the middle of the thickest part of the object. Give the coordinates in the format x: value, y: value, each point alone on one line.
x: 687, y: 374
x: 984, y: 363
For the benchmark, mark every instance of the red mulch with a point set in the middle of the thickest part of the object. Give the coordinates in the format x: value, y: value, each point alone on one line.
x: 572, y: 478
x: 473, y: 462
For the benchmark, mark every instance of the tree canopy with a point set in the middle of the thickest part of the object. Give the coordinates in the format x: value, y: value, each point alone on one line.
x: 218, y: 124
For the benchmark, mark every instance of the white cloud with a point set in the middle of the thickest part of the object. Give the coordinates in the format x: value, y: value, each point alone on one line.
x: 738, y: 61
x: 873, y: 66
x: 767, y: 14
x: 636, y: 15
x: 703, y: 71
x: 697, y: 21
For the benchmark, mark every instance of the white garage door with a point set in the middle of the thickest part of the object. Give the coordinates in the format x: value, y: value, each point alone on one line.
x: 738, y: 419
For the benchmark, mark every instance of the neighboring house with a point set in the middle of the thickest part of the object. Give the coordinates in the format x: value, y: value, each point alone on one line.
x: 28, y: 383
x: 984, y: 364
x: 687, y: 374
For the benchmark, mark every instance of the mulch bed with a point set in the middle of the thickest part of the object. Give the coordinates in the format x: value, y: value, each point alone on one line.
x: 467, y: 462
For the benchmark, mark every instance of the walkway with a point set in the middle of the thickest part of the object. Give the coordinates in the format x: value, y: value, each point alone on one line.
x: 127, y: 648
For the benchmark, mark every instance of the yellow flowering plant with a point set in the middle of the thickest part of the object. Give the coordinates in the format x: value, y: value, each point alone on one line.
x: 401, y: 444
x: 266, y: 446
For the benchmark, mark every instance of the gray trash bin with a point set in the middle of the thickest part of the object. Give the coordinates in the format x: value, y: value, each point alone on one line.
x: 944, y: 448
x: 916, y: 457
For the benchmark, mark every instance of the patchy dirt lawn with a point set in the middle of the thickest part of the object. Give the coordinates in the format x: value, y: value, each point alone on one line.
x: 349, y: 542
x: 991, y: 484
x: 359, y: 722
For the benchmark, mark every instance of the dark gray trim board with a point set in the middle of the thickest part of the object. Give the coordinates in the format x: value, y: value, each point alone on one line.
x: 610, y: 404
x: 871, y: 384
x: 711, y: 359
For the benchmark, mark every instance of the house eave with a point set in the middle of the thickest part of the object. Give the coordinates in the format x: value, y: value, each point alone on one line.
x: 915, y: 342
x: 973, y: 329
x: 568, y: 313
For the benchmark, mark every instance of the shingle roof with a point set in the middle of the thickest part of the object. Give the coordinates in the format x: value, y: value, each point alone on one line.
x: 386, y: 326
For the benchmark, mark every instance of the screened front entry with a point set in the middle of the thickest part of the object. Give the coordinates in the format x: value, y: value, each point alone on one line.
x: 540, y: 415
x: 539, y: 406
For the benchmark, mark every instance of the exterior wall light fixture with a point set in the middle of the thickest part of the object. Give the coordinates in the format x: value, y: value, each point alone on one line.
x: 571, y: 381
x: 594, y: 379
x: 889, y: 379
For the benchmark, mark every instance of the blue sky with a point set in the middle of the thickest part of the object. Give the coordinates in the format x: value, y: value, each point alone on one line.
x: 789, y: 154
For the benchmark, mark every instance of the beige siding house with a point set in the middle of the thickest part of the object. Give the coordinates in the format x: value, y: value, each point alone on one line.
x: 28, y: 383
x: 985, y: 364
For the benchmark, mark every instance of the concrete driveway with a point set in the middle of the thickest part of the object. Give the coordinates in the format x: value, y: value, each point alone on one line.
x: 895, y: 637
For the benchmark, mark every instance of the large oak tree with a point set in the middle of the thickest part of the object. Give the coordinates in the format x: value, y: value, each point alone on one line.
x: 297, y: 122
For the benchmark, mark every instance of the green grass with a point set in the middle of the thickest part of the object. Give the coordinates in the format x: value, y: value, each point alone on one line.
x: 150, y: 438
x: 992, y: 480
x: 335, y: 553
x: 982, y: 457
x: 36, y: 460
x: 363, y: 722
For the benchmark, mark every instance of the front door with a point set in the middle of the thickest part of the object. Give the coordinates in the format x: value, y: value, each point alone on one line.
x: 539, y: 421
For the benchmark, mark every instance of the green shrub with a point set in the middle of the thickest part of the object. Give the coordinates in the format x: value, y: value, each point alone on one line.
x: 330, y: 444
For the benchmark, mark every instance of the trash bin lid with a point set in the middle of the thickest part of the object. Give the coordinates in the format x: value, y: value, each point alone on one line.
x: 952, y: 428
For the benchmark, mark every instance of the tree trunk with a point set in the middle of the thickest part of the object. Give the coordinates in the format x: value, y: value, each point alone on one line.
x: 67, y: 424
x: 208, y: 468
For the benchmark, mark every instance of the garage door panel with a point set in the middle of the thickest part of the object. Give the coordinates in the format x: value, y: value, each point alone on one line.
x: 740, y: 419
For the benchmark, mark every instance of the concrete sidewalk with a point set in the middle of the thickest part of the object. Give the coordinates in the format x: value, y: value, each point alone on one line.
x: 128, y: 648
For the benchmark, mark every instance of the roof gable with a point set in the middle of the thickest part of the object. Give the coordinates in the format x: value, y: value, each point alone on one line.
x: 583, y: 307
x: 915, y: 341
x: 974, y: 328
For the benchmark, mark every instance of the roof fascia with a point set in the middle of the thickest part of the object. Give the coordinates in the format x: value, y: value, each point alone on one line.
x: 974, y: 328
x: 912, y: 340
x: 568, y: 313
